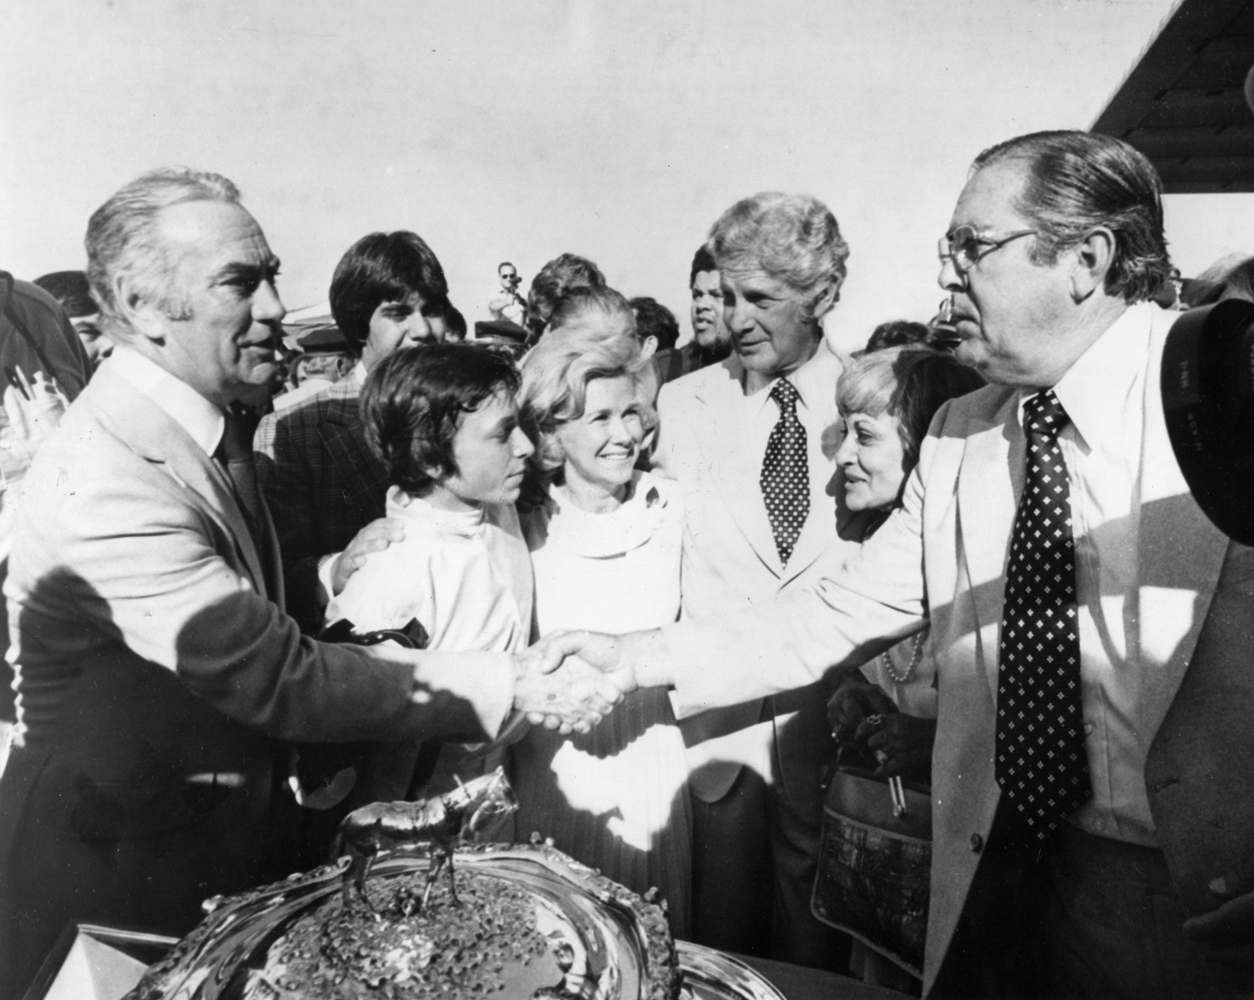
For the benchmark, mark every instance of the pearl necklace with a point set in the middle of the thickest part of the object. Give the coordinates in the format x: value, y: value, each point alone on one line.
x: 916, y: 655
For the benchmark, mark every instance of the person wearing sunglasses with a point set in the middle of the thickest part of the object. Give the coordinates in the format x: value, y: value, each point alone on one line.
x: 506, y: 303
x: 1049, y: 540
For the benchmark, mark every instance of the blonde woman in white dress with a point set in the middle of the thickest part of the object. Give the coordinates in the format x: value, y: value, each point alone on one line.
x: 605, y: 544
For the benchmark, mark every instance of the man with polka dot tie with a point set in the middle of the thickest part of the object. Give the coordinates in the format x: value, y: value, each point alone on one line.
x: 1075, y: 593
x: 749, y: 440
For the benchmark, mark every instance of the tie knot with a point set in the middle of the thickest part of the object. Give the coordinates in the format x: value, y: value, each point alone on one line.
x: 785, y: 394
x: 1043, y: 414
x: 237, y: 435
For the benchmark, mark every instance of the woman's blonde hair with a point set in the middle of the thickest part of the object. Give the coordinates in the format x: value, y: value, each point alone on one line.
x: 589, y: 343
x: 909, y: 383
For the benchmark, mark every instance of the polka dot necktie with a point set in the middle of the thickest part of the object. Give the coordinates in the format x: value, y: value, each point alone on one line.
x: 1041, y: 762
x: 785, y: 478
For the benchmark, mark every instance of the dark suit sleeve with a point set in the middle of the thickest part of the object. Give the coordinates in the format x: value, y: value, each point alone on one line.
x: 47, y: 323
x: 132, y: 562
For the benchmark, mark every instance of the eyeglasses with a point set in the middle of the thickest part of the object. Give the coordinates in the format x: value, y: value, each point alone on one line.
x: 965, y: 246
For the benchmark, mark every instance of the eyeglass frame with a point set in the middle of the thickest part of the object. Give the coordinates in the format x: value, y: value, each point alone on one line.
x: 945, y: 245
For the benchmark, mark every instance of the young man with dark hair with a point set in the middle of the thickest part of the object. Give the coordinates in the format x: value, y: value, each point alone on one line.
x: 711, y: 342
x: 320, y: 479
x: 444, y: 423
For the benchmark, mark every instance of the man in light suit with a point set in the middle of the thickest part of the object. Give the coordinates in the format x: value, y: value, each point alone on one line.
x: 321, y: 481
x: 1054, y: 248
x: 155, y: 665
x: 755, y: 768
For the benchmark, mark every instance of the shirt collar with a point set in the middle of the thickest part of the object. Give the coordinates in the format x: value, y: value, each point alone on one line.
x: 203, y: 421
x: 1095, y: 389
x: 812, y: 381
x: 411, y: 508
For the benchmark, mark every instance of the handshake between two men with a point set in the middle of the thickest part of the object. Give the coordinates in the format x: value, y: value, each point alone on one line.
x: 570, y: 681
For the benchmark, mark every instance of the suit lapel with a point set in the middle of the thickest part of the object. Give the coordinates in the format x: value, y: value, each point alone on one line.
x: 989, y: 485
x: 735, y: 472
x: 151, y: 433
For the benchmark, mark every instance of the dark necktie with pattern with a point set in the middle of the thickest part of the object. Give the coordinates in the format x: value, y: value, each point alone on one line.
x: 785, y: 478
x: 1041, y: 762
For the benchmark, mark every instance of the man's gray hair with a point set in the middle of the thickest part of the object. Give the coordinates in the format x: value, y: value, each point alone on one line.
x: 793, y: 238
x: 122, y: 240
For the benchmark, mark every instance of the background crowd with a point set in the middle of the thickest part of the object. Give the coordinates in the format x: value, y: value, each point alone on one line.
x: 255, y: 582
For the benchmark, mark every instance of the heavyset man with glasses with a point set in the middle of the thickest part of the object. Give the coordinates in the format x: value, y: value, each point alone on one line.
x: 1048, y: 537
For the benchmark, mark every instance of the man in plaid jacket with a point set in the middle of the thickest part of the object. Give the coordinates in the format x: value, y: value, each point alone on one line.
x: 321, y: 481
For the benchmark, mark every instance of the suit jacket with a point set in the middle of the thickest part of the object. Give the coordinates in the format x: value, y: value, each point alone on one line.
x: 942, y: 558
x: 730, y: 560
x: 154, y: 669
x: 322, y: 485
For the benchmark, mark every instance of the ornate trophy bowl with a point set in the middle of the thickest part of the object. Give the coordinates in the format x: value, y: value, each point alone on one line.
x: 606, y: 943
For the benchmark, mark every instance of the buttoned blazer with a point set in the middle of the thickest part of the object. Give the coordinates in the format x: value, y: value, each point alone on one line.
x: 943, y: 556
x: 322, y: 484
x: 730, y: 561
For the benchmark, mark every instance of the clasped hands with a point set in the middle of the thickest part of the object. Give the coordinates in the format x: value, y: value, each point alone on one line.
x: 569, y: 681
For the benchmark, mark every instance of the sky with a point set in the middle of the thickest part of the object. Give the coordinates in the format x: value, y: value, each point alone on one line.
x: 519, y: 130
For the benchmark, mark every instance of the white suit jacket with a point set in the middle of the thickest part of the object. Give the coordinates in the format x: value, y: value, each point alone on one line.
x: 730, y: 562
x: 942, y: 558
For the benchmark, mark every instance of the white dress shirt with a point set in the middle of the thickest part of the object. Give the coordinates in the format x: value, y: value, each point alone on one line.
x: 202, y: 420
x: 816, y: 410
x: 1103, y: 393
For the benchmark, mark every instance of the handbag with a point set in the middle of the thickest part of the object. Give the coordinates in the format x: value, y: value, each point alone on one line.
x: 875, y: 865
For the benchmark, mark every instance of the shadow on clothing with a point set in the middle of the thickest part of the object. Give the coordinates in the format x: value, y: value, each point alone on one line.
x: 640, y: 837
x: 756, y: 849
x: 134, y: 797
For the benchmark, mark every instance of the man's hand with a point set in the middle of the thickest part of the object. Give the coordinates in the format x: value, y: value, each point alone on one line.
x: 1232, y: 922
x: 572, y: 697
x: 374, y: 537
x: 633, y: 660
